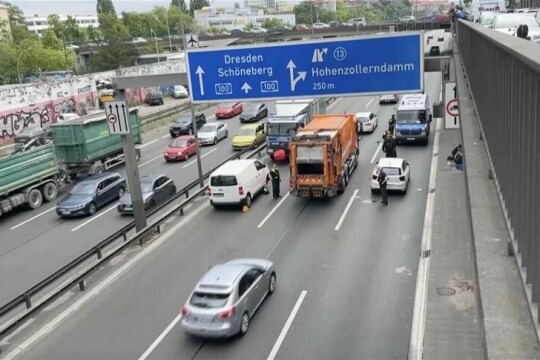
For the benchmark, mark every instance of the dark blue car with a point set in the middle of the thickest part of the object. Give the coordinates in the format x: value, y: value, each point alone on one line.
x: 92, y: 193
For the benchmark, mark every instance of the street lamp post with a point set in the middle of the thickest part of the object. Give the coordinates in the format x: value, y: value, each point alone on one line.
x: 65, y: 51
x: 18, y: 60
x: 155, y: 41
x: 169, y: 32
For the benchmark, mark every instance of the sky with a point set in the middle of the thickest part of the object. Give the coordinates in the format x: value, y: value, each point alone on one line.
x: 88, y: 7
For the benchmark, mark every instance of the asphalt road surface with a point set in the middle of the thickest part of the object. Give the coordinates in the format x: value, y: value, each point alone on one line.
x: 346, y: 272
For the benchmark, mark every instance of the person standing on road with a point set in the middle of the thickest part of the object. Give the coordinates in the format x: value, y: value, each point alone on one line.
x: 383, y: 180
x: 452, y: 16
x: 392, y: 124
x: 276, y: 179
x: 389, y: 146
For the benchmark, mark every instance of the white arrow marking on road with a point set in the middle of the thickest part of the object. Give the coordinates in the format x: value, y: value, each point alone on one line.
x: 200, y: 72
x: 246, y: 87
x: 301, y: 74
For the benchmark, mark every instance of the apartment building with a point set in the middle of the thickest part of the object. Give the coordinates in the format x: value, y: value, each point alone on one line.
x: 38, y: 24
x: 5, y: 28
x: 236, y: 18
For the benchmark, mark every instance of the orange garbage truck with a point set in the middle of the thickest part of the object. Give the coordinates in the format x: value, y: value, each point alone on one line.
x: 323, y: 155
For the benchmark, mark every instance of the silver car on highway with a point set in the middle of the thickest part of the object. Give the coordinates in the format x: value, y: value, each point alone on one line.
x: 226, y: 298
x: 211, y: 133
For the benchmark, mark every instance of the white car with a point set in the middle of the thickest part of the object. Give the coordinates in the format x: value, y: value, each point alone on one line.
x: 258, y: 30
x: 508, y: 23
x: 398, y: 171
x: 180, y: 92
x: 211, y: 133
x: 408, y: 19
x: 320, y: 25
x: 367, y: 122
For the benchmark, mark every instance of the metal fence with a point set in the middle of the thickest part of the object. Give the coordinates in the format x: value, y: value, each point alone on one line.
x: 504, y: 77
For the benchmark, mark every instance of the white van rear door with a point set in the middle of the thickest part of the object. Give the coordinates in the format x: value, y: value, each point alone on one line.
x: 224, y: 188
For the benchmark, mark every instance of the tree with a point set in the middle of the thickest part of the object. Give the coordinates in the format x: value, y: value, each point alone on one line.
x: 111, y: 28
x: 197, y: 5
x: 305, y: 12
x: 114, y: 55
x: 105, y: 7
x: 273, y: 22
x: 174, y: 21
x: 93, y: 34
x: 19, y: 31
x: 181, y: 4
x: 50, y: 40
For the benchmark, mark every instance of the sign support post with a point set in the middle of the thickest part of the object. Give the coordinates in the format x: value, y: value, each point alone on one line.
x: 117, y: 114
x: 451, y: 106
x: 192, y: 108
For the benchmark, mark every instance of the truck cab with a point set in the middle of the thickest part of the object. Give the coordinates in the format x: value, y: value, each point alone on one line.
x: 413, y: 118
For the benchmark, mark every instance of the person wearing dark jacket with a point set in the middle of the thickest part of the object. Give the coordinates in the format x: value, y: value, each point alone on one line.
x: 392, y: 124
x: 276, y: 179
x: 389, y: 146
x: 383, y: 180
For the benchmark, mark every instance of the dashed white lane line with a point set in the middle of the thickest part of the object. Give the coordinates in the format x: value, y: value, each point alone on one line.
x: 273, y: 210
x: 287, y: 326
x: 376, y: 153
x: 161, y: 337
x: 369, y: 102
x: 149, y: 161
x: 32, y: 218
x: 94, y: 218
x: 202, y: 155
x: 347, y: 208
x: 90, y: 294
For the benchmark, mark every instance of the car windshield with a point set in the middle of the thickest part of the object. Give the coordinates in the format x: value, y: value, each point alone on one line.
x: 411, y: 116
x: 225, y: 106
x: 147, y: 186
x: 362, y: 119
x: 208, y: 300
x: 208, y: 129
x: 246, y: 132
x: 487, y: 20
x: 179, y: 143
x: 83, y: 189
x: 183, y: 120
x: 223, y: 180
x: 512, y: 21
x: 251, y: 109
x: 391, y: 171
x: 281, y: 129
x: 156, y: 95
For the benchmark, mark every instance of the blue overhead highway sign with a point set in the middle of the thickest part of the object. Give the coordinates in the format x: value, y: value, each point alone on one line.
x: 366, y: 65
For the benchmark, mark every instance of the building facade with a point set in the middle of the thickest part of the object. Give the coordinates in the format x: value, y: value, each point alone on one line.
x: 39, y: 24
x: 5, y: 28
x: 230, y: 18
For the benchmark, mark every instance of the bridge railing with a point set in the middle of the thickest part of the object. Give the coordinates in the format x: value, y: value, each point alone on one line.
x: 503, y: 73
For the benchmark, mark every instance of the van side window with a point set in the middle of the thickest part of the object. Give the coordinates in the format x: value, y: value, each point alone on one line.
x: 259, y: 165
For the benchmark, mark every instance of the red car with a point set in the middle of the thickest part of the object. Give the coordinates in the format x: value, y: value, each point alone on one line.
x: 228, y: 110
x: 181, y: 148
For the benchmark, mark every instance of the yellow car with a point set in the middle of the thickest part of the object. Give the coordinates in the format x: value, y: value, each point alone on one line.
x: 248, y: 135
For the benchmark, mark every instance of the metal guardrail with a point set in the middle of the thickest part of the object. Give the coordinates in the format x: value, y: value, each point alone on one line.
x: 163, y: 113
x: 26, y: 297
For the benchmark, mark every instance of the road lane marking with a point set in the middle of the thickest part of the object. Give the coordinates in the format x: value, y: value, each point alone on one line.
x: 161, y: 337
x: 94, y: 218
x: 287, y: 326
x: 337, y: 101
x: 273, y: 210
x: 376, y: 152
x: 369, y: 102
x: 32, y: 218
x: 149, y: 161
x: 416, y: 347
x: 202, y: 155
x: 149, y: 143
x: 105, y: 284
x: 347, y: 208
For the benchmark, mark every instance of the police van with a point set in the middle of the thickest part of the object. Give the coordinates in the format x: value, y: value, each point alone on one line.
x: 413, y: 118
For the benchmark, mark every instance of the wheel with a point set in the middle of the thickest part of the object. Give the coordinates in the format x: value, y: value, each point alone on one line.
x: 49, y: 191
x: 265, y: 113
x: 92, y: 208
x: 247, y: 202
x: 346, y: 179
x: 186, y: 157
x: 173, y: 191
x: 35, y: 199
x: 226, y: 133
x: 244, y: 324
x: 96, y: 169
x: 272, y: 284
x: 121, y: 192
x: 215, y: 141
x: 151, y: 204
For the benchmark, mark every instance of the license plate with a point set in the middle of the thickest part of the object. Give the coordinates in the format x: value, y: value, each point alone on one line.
x: 410, y: 138
x: 66, y: 212
x: 218, y: 195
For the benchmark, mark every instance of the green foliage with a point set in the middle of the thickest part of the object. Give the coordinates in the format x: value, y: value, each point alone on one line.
x: 19, y: 32
x: 181, y: 4
x: 197, y: 5
x: 112, y: 29
x: 68, y: 29
x: 105, y: 7
x: 50, y: 40
x: 273, y: 22
x: 117, y: 53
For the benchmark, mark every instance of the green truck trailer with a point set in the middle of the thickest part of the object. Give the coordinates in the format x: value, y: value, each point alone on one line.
x: 85, y: 146
x: 80, y: 146
x: 29, y: 178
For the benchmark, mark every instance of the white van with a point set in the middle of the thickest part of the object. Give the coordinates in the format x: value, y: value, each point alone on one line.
x: 480, y: 6
x: 237, y: 182
x: 180, y: 92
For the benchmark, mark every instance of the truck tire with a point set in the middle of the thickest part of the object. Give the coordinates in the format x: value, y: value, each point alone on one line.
x: 96, y: 168
x: 342, y: 185
x: 50, y: 191
x: 35, y: 199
